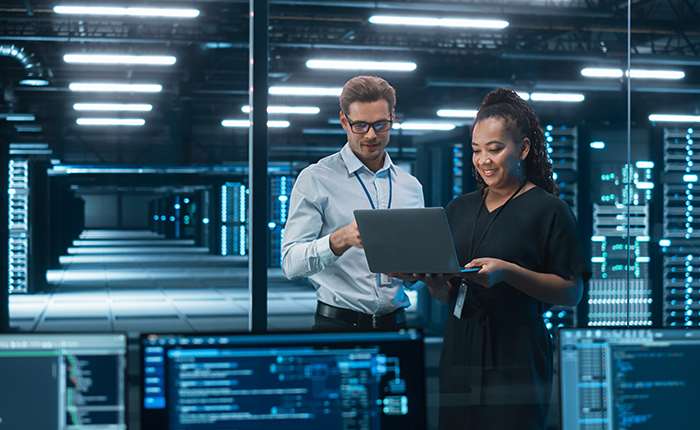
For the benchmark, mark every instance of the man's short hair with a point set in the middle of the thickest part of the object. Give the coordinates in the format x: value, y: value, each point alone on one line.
x: 367, y: 89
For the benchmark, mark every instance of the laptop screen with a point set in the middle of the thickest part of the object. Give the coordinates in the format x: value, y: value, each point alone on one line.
x: 637, y: 378
x: 287, y: 381
x: 63, y: 381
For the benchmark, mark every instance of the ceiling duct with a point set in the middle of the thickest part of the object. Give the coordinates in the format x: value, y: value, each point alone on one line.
x: 29, y: 63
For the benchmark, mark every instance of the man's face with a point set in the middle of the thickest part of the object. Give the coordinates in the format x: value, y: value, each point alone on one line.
x: 368, y: 147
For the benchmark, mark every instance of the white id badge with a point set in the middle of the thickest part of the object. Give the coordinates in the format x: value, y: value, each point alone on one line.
x: 460, y: 300
x: 385, y: 280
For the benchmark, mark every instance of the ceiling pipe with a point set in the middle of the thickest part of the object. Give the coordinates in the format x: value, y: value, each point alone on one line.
x: 29, y: 63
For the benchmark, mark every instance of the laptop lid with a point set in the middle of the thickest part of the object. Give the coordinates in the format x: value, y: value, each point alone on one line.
x: 416, y: 240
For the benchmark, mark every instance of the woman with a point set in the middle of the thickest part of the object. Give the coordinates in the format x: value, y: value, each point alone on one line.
x: 496, y: 362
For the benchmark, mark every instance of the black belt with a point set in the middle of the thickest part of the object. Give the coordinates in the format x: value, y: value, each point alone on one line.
x: 362, y: 320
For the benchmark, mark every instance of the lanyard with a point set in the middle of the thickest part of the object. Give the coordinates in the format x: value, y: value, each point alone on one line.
x: 471, y: 242
x: 367, y: 192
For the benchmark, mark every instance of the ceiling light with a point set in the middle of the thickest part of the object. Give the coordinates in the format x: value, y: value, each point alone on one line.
x: 674, y: 118
x: 312, y: 110
x: 246, y: 123
x: 657, y: 74
x: 598, y: 144
x: 128, y: 11
x: 25, y: 145
x: 634, y: 73
x: 457, y: 113
x: 28, y: 129
x: 644, y: 185
x: 644, y: 164
x: 155, y: 60
x: 601, y: 73
x: 110, y: 87
x: 111, y: 121
x: 361, y: 65
x: 34, y: 82
x: 422, y: 126
x: 556, y: 97
x: 306, y: 91
x: 16, y: 117
x: 113, y: 107
x: 439, y: 22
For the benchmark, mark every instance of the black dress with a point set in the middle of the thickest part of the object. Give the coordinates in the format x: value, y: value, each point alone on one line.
x: 496, y: 362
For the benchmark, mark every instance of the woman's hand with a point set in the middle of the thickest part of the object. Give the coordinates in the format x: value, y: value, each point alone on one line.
x: 491, y: 271
x: 438, y: 284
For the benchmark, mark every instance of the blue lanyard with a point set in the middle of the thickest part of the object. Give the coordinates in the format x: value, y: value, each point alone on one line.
x: 367, y: 192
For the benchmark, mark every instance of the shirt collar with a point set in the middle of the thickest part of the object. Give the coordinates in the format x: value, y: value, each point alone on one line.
x: 353, y: 164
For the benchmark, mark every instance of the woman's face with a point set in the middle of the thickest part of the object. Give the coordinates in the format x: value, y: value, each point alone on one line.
x: 496, y: 155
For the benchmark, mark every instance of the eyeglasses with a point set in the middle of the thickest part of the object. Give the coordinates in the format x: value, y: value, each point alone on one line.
x: 363, y: 127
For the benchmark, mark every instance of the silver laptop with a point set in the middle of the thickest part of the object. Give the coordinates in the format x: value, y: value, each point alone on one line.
x: 408, y: 241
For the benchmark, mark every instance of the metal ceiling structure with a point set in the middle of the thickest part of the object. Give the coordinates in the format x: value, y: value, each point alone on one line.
x: 543, y: 49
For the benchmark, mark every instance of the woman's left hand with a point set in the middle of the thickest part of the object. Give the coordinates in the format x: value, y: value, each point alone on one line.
x: 492, y: 271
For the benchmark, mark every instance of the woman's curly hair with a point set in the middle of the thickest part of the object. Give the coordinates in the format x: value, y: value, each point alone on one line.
x: 521, y: 122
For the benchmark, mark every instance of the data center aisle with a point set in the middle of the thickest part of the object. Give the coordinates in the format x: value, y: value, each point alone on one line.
x: 138, y: 281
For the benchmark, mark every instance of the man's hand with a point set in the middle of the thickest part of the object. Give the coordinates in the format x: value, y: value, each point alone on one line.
x: 438, y: 284
x: 345, y: 238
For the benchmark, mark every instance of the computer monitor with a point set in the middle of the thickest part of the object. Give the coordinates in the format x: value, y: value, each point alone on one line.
x: 63, y: 381
x: 629, y: 378
x: 283, y: 381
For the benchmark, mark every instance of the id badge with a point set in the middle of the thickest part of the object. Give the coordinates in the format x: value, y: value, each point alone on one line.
x: 463, y: 287
x: 385, y: 280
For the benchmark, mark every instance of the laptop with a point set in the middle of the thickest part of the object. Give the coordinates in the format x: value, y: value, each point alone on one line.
x: 414, y: 240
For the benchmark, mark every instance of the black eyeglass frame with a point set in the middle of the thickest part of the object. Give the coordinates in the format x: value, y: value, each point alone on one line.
x: 369, y: 124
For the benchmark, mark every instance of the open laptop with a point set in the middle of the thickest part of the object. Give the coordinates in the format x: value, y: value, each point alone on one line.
x: 414, y: 240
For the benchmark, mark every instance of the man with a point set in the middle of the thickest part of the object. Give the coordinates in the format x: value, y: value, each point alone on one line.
x: 321, y: 240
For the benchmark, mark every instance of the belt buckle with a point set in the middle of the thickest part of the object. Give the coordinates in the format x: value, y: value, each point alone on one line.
x: 375, y: 321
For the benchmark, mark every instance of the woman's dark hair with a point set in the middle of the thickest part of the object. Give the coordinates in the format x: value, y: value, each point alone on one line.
x: 520, y: 122
x: 367, y: 89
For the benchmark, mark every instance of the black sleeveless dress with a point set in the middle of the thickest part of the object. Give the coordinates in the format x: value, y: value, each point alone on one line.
x: 496, y: 362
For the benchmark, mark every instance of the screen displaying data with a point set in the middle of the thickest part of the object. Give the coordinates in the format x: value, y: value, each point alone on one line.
x: 62, y: 381
x: 629, y: 379
x: 287, y: 381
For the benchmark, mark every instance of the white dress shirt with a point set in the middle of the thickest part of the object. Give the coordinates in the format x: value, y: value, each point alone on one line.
x: 322, y: 201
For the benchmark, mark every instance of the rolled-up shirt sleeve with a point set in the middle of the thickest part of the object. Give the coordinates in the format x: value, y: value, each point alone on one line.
x: 305, y: 251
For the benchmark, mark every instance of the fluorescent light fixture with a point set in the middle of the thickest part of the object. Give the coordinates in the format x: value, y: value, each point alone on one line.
x: 306, y: 91
x: 592, y: 72
x: 674, y: 118
x: 218, y: 45
x: 524, y: 96
x: 439, y: 22
x: 323, y: 131
x: 138, y: 107
x: 29, y: 145
x: 127, y: 11
x: 643, y: 239
x: 664, y: 242
x: 28, y: 129
x: 597, y: 259
x: 16, y: 117
x: 309, y: 110
x: 556, y: 97
x: 246, y: 123
x: 361, y: 65
x: 690, y: 178
x: 657, y: 74
x: 111, y: 121
x: 34, y: 82
x: 457, y: 113
x: 645, y: 185
x: 118, y: 88
x: 31, y: 151
x: 644, y: 164
x: 422, y: 126
x: 598, y: 144
x: 154, y: 60
x: 597, y: 238
x: 642, y: 259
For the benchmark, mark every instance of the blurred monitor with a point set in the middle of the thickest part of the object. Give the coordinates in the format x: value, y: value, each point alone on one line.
x: 629, y: 378
x: 63, y: 381
x: 283, y: 381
